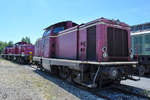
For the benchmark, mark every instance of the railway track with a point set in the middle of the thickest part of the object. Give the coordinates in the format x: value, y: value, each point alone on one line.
x: 92, y: 91
x: 123, y: 89
x: 122, y: 94
x: 107, y: 92
x: 96, y: 92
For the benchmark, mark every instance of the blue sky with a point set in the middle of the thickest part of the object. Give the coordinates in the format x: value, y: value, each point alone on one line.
x: 19, y: 18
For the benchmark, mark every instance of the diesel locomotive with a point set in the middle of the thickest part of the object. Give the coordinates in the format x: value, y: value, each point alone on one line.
x: 92, y: 54
x: 20, y: 52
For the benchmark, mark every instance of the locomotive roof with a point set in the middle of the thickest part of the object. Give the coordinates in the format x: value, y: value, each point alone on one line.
x: 97, y: 20
x: 140, y: 28
x: 110, y: 21
x: 21, y: 43
x: 63, y: 22
x: 140, y: 24
x: 8, y: 46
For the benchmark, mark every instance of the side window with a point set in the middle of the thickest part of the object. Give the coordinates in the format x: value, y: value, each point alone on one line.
x: 58, y: 29
x: 147, y: 26
x: 147, y: 38
x: 138, y: 43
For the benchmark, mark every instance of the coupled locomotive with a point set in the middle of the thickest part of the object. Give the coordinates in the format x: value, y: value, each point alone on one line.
x: 91, y: 54
x: 20, y: 52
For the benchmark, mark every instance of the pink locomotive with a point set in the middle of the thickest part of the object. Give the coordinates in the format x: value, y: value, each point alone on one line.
x: 8, y: 50
x: 21, y: 52
x: 90, y: 54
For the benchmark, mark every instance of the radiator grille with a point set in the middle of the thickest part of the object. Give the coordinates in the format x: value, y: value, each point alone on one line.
x: 117, y: 40
x: 91, y: 43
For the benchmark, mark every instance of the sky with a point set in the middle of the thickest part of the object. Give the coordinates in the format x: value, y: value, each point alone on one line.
x: 20, y: 18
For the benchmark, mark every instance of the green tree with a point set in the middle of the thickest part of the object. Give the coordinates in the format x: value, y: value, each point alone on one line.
x: 2, y: 46
x: 26, y: 39
x: 10, y: 43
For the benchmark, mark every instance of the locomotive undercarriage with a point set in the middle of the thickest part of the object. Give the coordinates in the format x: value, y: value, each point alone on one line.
x: 99, y: 76
x: 17, y: 58
x: 89, y: 75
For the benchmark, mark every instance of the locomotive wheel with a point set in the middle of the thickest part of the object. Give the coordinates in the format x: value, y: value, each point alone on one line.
x: 40, y: 67
x: 63, y: 72
x: 100, y: 83
x: 105, y: 83
x: 21, y: 61
x: 117, y: 82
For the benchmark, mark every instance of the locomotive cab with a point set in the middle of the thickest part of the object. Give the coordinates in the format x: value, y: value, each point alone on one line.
x: 49, y: 39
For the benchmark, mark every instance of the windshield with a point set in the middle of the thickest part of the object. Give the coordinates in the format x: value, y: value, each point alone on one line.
x: 46, y: 33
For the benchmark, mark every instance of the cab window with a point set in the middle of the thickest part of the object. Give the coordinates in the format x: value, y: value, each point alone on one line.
x: 58, y: 29
x: 46, y: 33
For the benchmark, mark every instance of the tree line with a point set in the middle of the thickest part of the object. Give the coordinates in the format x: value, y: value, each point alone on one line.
x: 10, y: 43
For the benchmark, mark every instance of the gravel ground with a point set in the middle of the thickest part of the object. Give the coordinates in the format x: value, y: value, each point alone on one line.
x: 23, y: 82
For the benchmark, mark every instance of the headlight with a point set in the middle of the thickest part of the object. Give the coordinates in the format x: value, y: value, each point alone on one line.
x: 22, y: 54
x: 105, y: 55
x: 104, y: 50
x: 30, y: 53
x: 131, y: 53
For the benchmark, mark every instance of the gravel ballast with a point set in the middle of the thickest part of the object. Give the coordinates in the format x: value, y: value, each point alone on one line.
x: 23, y: 82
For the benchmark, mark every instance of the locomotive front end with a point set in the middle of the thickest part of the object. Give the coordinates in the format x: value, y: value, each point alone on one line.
x: 115, y: 54
x: 114, y: 42
x: 108, y: 55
